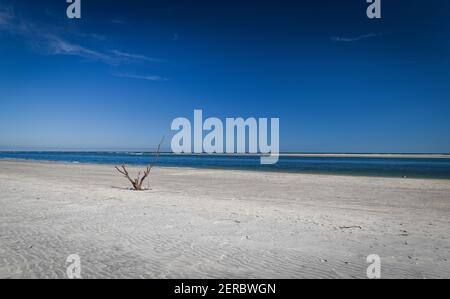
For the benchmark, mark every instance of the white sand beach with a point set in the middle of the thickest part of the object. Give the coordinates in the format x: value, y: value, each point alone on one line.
x: 219, y: 224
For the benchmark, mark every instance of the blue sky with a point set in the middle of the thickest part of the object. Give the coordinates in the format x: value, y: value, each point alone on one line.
x: 116, y: 79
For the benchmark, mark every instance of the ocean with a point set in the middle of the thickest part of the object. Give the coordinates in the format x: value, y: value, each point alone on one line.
x: 438, y: 168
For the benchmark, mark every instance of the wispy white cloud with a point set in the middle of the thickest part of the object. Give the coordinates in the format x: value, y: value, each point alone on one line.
x: 61, y: 47
x: 51, y: 41
x: 153, y: 78
x: 131, y: 56
x: 47, y: 40
x: 355, y: 39
x: 5, y: 18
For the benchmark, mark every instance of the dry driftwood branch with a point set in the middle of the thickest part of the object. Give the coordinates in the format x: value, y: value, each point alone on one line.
x: 138, y: 182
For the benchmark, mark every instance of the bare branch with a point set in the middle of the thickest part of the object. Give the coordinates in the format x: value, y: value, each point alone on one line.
x: 138, y: 182
x: 150, y: 167
x: 125, y: 173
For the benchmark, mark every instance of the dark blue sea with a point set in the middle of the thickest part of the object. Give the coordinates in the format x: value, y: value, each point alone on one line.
x: 386, y: 167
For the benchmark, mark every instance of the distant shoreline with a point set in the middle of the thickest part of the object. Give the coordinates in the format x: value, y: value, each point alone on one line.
x: 421, y: 156
x: 297, y: 155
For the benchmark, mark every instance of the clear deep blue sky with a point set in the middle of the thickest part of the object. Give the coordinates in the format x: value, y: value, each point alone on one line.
x: 116, y: 79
